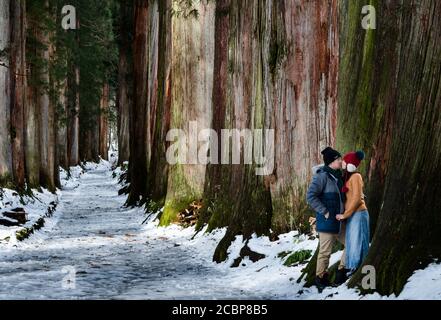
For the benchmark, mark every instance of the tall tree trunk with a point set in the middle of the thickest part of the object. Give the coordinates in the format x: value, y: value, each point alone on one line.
x: 216, y: 211
x: 47, y: 112
x: 138, y: 125
x: 125, y: 83
x: 248, y: 210
x: 73, y: 128
x: 192, y: 58
x: 393, y: 86
x: 18, y: 84
x: 158, y: 167
x: 266, y: 80
x: 408, y: 230
x: 300, y: 50
x: 32, y: 143
x: 5, y: 81
x: 365, y: 90
x: 62, y: 133
x: 104, y: 124
x: 32, y: 132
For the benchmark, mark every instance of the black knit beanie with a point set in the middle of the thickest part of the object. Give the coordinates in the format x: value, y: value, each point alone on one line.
x: 330, y: 155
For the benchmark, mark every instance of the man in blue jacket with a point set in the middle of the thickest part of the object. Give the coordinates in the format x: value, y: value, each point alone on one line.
x: 325, y: 197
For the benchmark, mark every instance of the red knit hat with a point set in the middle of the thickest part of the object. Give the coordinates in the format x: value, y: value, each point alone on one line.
x: 353, y: 160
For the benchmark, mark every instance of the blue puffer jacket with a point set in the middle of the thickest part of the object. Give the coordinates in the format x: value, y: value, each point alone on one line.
x: 324, y: 196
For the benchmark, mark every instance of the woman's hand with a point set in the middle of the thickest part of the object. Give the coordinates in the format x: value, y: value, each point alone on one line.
x: 340, y: 217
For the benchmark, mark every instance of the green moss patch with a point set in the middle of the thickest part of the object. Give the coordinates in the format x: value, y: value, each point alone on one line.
x: 297, y: 258
x: 26, y: 232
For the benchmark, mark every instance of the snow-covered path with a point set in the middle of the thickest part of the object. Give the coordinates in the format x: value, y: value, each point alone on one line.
x: 105, y: 253
x: 94, y: 248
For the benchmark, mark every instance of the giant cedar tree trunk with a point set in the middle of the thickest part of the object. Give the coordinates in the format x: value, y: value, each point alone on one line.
x: 192, y: 57
x: 89, y: 131
x: 300, y: 53
x: 365, y: 117
x: 160, y: 108
x: 368, y: 62
x: 408, y: 230
x: 46, y: 109
x: 125, y: 85
x: 389, y: 105
x: 18, y: 84
x: 241, y: 199
x: 276, y: 68
x: 32, y: 133
x: 32, y: 142
x: 152, y: 77
x: 62, y: 116
x: 123, y: 101
x: 138, y: 125
x: 73, y: 112
x: 73, y: 117
x: 5, y: 80
x: 217, y: 188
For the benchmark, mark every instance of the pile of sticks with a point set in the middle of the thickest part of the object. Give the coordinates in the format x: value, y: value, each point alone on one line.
x: 190, y: 215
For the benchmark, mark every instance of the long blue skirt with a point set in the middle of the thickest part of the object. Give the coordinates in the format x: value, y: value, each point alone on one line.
x: 357, y: 239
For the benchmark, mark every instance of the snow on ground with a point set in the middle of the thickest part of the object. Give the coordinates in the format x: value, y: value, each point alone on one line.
x: 36, y: 207
x: 95, y: 248
x: 271, y: 279
x: 267, y: 278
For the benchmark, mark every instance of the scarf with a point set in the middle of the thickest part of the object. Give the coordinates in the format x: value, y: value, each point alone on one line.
x: 346, y: 177
x: 336, y: 174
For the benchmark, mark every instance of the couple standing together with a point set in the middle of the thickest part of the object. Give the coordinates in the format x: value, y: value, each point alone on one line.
x: 336, y: 195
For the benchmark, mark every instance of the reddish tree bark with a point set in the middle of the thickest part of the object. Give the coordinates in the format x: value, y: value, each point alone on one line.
x: 266, y: 78
x: 32, y: 132
x: 300, y: 49
x: 18, y: 84
x: 5, y: 105
x: 138, y: 123
x: 73, y: 126
x: 62, y: 133
x: 157, y: 177
x: 125, y: 84
x: 46, y: 107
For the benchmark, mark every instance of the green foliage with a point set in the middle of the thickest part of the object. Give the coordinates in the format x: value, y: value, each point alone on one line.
x: 91, y: 47
x: 296, y: 258
x: 96, y: 55
x: 283, y: 254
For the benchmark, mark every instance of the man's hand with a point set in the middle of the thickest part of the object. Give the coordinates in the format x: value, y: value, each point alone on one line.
x: 340, y: 217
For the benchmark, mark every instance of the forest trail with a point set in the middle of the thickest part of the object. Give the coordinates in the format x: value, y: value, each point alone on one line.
x: 111, y: 256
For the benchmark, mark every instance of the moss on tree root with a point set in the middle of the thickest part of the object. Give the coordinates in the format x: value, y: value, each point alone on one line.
x: 172, y: 208
x: 27, y: 232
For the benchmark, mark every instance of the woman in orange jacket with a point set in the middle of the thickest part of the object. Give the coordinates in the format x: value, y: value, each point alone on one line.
x: 356, y: 213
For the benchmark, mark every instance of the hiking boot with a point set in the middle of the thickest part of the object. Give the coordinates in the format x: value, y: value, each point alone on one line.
x: 322, y: 282
x: 341, y: 277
